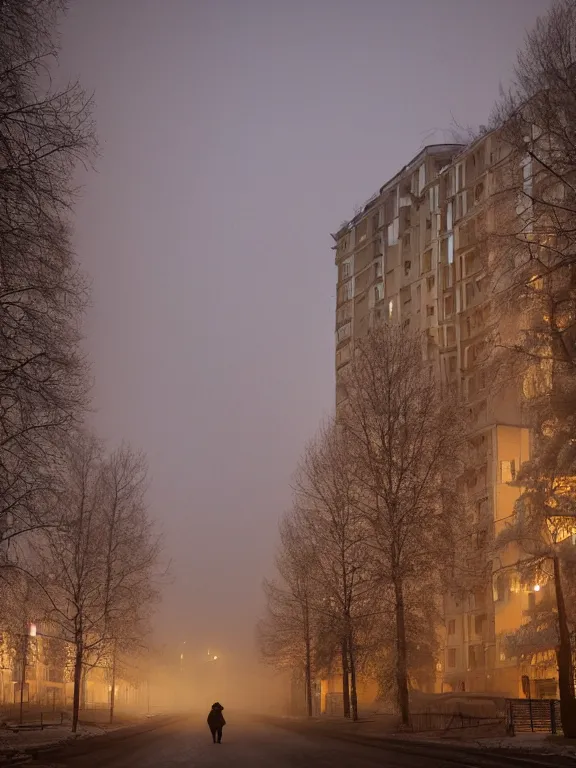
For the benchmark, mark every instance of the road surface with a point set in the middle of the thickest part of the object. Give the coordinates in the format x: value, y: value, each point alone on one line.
x: 248, y: 743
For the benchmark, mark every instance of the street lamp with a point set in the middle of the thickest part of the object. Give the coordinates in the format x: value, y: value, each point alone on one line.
x: 31, y: 633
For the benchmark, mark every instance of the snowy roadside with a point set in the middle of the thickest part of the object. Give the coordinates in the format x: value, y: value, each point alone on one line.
x: 18, y: 745
x: 14, y: 740
x: 381, y: 730
x: 534, y: 743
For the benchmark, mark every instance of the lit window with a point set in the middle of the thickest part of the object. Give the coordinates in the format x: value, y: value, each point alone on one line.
x: 460, y: 176
x: 390, y: 308
x: 507, y: 471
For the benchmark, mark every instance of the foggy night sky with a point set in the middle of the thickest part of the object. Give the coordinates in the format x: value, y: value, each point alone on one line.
x: 235, y: 136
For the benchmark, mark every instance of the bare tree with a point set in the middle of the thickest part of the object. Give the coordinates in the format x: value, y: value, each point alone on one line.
x: 422, y: 620
x: 44, y: 133
x: 329, y: 516
x: 69, y: 559
x: 535, y: 120
x: 532, y: 251
x: 131, y: 557
x: 533, y: 267
x: 286, y: 633
x: 403, y: 435
x: 98, y: 564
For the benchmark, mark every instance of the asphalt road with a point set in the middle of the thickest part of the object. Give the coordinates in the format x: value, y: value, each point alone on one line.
x: 252, y: 744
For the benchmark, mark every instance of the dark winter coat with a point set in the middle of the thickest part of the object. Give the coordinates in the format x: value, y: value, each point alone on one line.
x: 215, y: 717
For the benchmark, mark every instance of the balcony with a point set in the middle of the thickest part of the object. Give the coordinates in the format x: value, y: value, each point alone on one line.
x: 343, y: 355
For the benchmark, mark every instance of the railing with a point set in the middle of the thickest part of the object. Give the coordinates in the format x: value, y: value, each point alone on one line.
x: 32, y: 717
x: 535, y: 715
x: 446, y: 721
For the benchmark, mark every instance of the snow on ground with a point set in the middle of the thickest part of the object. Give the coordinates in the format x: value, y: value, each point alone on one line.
x: 484, y: 737
x: 542, y: 743
x: 536, y: 743
x: 26, y: 738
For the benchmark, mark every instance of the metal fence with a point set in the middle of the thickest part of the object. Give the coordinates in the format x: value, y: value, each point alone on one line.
x: 535, y: 715
x: 447, y: 721
x: 31, y: 717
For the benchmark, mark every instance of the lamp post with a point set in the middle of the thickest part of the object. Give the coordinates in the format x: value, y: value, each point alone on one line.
x: 30, y: 633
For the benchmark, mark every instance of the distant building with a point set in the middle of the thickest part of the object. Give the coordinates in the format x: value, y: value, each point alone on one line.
x: 48, y: 679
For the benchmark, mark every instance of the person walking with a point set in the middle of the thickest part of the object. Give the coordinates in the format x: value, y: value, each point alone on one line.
x: 216, y: 722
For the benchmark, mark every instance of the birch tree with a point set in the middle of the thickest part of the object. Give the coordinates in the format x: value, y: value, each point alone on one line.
x: 403, y: 435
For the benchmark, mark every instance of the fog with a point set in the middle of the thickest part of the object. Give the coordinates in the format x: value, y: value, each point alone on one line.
x: 235, y: 135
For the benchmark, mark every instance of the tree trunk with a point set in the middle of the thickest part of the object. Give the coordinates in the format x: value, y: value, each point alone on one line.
x: 401, y: 655
x: 83, y: 688
x: 353, y: 692
x: 78, y: 659
x: 113, y: 686
x: 308, y: 670
x: 345, y: 681
x: 564, y: 660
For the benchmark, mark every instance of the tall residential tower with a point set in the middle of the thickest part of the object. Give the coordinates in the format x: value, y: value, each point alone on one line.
x: 414, y: 255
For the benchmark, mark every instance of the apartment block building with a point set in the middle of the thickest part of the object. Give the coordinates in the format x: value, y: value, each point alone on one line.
x: 413, y: 255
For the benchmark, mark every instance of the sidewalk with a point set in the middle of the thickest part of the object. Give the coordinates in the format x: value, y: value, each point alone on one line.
x: 11, y: 741
x: 383, y: 729
x: 16, y: 746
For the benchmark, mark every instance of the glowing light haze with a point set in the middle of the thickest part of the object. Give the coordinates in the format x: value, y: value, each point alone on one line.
x: 235, y: 135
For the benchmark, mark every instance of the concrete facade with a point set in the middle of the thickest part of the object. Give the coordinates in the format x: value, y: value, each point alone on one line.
x: 416, y: 255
